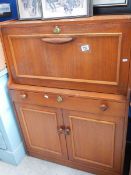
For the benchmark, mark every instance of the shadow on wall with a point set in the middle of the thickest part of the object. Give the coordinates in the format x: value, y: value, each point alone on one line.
x: 13, y: 9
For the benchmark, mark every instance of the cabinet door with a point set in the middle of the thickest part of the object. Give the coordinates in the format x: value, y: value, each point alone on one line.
x: 40, y: 127
x: 86, y: 61
x: 95, y: 140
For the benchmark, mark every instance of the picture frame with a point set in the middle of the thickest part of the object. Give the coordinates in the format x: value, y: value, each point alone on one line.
x: 112, y: 6
x: 5, y: 10
x: 110, y: 2
x: 56, y: 9
x: 29, y: 9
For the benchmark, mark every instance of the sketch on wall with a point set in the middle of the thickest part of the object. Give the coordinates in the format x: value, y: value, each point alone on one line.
x: 29, y: 9
x: 110, y: 2
x: 64, y: 8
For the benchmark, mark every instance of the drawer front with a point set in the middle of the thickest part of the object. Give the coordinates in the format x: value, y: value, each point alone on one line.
x: 84, y: 59
x: 96, y: 106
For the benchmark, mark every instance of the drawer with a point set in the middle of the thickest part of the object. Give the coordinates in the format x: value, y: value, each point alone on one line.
x: 70, y: 101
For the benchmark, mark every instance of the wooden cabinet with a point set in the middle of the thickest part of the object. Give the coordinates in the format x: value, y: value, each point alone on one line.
x: 89, y: 139
x: 70, y: 88
x: 89, y: 132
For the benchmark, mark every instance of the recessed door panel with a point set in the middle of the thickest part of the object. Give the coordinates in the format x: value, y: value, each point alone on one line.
x: 94, y: 139
x: 75, y: 60
x: 81, y: 61
x: 39, y: 126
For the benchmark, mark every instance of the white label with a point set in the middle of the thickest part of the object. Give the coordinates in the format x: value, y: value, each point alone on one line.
x: 46, y: 96
x: 85, y: 48
x: 125, y: 60
x: 5, y: 8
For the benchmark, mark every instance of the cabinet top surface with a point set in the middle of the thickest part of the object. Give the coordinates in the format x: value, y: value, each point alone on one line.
x: 94, y: 19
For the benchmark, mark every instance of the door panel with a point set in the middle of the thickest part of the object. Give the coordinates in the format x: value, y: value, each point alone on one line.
x: 95, y: 139
x: 39, y: 126
x: 60, y: 61
x: 36, y: 61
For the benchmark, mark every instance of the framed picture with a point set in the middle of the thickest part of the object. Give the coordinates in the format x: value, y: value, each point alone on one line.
x: 109, y: 2
x: 29, y: 9
x: 112, y: 6
x: 5, y: 10
x: 54, y: 9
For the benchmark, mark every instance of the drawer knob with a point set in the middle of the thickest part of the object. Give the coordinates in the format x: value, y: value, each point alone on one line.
x: 23, y: 96
x: 67, y: 131
x: 57, y: 30
x: 60, y: 130
x: 103, y: 107
x: 59, y: 99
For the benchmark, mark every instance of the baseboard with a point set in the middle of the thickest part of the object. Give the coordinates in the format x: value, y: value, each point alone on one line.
x: 13, y: 157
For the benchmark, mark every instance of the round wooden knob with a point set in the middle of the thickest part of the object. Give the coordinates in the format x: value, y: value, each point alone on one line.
x: 59, y: 99
x: 57, y: 30
x: 23, y: 96
x: 103, y: 107
x: 60, y: 130
x: 67, y: 131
